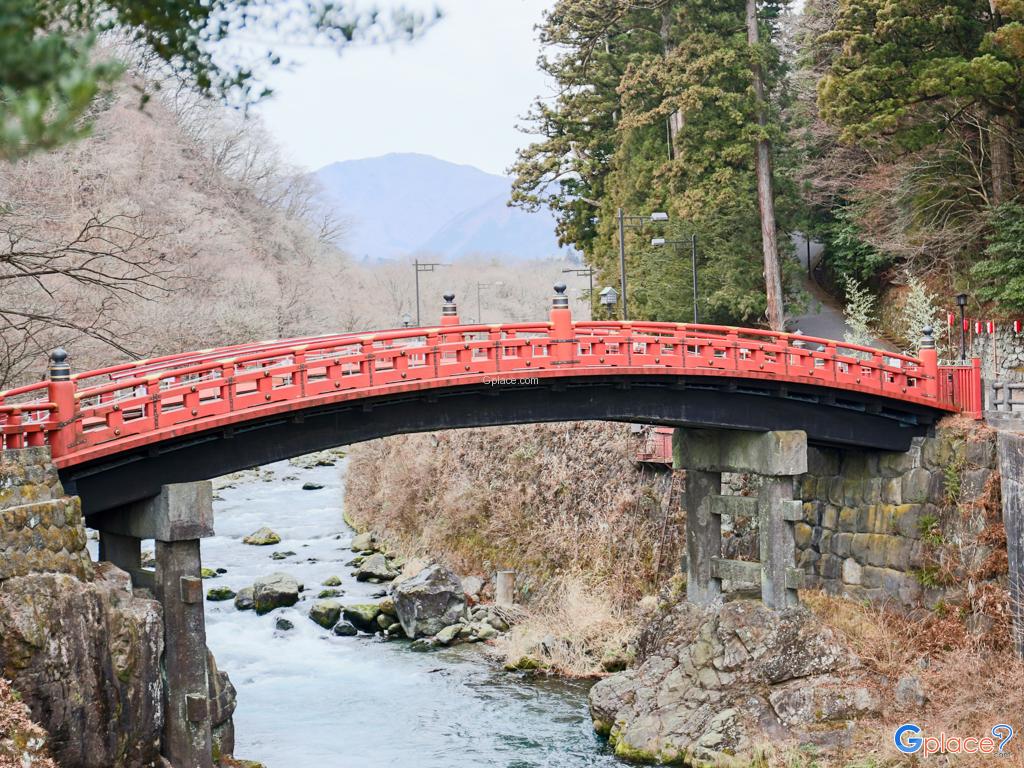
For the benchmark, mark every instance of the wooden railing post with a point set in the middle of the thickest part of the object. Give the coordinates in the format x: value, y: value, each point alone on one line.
x: 563, y: 335
x: 65, y: 422
x: 929, y: 364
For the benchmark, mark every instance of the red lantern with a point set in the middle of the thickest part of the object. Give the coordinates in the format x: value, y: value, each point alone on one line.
x: 1016, y: 326
x: 977, y: 327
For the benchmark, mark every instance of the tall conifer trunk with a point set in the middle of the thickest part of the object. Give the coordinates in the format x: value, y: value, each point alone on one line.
x: 765, y: 191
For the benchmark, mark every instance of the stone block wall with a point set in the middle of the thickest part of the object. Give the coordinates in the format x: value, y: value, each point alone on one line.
x: 41, y: 529
x: 874, y: 523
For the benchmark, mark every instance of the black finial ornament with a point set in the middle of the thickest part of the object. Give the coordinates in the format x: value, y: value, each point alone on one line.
x: 928, y: 338
x: 560, y: 300
x: 59, y: 368
x: 449, y: 309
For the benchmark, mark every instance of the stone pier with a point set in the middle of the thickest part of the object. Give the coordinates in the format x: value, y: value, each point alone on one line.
x: 177, y: 519
x: 779, y: 457
x: 1011, y: 464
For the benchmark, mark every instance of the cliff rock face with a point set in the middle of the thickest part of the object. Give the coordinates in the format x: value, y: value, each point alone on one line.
x: 85, y: 657
x: 715, y: 682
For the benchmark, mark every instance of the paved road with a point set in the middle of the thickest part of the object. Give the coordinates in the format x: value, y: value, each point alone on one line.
x: 824, y: 316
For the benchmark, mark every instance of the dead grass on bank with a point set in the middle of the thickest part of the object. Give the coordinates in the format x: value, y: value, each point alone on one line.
x: 564, y: 505
x: 970, y: 684
x: 573, y: 626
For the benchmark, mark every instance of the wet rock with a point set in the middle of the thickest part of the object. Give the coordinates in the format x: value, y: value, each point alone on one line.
x: 311, y: 486
x: 321, y: 459
x: 262, y: 538
x: 484, y: 631
x: 223, y: 699
x: 423, y: 644
x: 363, y: 617
x: 208, y: 573
x: 384, y: 621
x: 446, y: 635
x: 699, y: 667
x: 529, y: 664
x: 332, y: 581
x: 387, y: 606
x: 278, y: 590
x: 345, y: 629
x: 395, y: 630
x: 244, y: 599
x: 375, y: 567
x: 365, y: 542
x: 325, y: 613
x: 219, y: 594
x: 326, y: 594
x: 429, y: 601
x: 281, y: 555
x: 283, y: 624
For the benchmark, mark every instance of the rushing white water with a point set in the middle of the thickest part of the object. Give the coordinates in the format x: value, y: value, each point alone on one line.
x: 308, y: 698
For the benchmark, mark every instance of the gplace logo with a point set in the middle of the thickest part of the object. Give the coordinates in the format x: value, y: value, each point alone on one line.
x: 908, y: 740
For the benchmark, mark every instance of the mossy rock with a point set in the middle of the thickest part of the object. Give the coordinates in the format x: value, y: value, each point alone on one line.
x: 208, y: 573
x: 326, y: 594
x: 262, y: 538
x: 220, y: 594
x: 525, y: 664
x: 363, y: 616
x: 325, y: 613
x: 332, y: 581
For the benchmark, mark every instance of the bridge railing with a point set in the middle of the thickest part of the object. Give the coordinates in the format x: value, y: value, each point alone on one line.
x: 78, y: 415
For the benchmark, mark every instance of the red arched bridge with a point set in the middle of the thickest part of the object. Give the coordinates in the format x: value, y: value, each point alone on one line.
x: 117, y: 434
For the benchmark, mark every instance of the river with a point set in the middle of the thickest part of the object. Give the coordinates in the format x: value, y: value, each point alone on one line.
x: 308, y: 698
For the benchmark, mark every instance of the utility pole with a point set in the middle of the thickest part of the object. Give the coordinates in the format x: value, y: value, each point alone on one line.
x: 422, y: 266
x: 765, y: 193
x: 622, y: 262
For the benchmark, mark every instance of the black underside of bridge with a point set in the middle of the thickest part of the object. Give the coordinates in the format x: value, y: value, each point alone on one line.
x: 828, y: 417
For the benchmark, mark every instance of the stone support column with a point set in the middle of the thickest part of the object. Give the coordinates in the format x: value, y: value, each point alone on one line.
x: 1011, y: 473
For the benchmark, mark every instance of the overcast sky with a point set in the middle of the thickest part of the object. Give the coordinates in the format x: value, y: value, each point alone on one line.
x: 457, y: 93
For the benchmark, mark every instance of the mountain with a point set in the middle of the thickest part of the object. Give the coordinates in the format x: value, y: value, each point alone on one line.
x: 405, y: 204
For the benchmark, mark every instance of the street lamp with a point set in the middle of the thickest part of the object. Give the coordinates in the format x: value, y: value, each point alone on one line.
x: 660, y: 241
x: 588, y: 272
x: 423, y: 266
x: 961, y: 301
x: 608, y: 298
x: 479, y: 286
x: 632, y: 222
x: 406, y: 320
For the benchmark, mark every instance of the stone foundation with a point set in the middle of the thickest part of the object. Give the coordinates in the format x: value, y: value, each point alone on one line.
x: 41, y: 529
x: 872, y: 519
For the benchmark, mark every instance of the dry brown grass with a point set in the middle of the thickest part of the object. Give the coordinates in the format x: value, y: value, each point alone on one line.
x: 969, y: 686
x: 22, y: 742
x: 571, y: 628
x: 561, y: 504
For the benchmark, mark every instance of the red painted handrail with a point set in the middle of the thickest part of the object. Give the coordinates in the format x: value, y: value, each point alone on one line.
x: 103, y: 412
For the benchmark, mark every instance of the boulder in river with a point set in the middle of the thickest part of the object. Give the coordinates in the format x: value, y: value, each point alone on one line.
x: 219, y: 594
x: 363, y: 617
x: 332, y: 581
x: 278, y: 590
x: 325, y: 613
x: 309, y: 485
x: 376, y: 566
x: 283, y: 624
x: 244, y: 599
x: 429, y: 601
x: 262, y: 538
x: 448, y: 634
x: 365, y: 542
x: 345, y: 629
x: 326, y: 594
